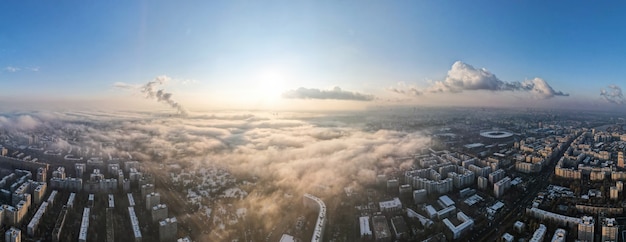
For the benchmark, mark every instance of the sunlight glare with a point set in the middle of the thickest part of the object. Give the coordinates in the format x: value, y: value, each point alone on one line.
x: 271, y: 84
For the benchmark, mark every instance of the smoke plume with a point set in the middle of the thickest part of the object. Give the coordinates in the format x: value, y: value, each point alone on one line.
x: 614, y: 95
x: 151, y: 91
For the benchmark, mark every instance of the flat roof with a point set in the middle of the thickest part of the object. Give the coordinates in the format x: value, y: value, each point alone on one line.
x: 287, y: 238
x: 134, y: 222
x: 391, y: 203
x: 131, y: 200
x: 381, y: 228
x: 431, y: 211
x: 365, y: 225
x: 497, y: 206
x: 473, y: 200
x: 84, y: 225
x: 474, y: 145
x: 446, y: 200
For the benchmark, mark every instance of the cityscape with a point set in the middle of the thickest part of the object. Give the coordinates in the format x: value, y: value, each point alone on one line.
x: 413, y: 174
x: 321, y: 121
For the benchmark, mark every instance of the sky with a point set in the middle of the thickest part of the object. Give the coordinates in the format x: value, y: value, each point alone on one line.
x: 207, y: 55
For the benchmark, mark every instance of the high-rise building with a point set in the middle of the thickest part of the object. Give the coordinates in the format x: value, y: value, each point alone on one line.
x: 496, y: 176
x: 609, y: 230
x: 13, y: 235
x: 405, y: 190
x: 159, y: 212
x: 152, y: 200
x: 168, y: 229
x: 586, y: 229
x: 483, y: 182
x: 419, y: 196
x: 147, y: 189
x: 80, y: 169
x: 501, y: 186
x: 41, y: 174
x: 614, y: 193
x: 620, y: 159
x: 393, y: 184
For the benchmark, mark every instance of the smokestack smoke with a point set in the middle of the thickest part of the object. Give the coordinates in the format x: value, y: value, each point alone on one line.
x: 613, y: 95
x: 151, y: 92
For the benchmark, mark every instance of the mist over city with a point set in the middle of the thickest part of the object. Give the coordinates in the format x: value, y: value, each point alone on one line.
x: 312, y: 121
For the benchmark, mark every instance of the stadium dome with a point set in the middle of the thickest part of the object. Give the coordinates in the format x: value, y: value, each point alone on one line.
x: 496, y: 134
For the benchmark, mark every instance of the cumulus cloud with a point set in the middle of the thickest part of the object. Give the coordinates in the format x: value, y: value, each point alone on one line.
x: 613, y: 95
x: 335, y: 93
x: 540, y: 88
x: 464, y: 77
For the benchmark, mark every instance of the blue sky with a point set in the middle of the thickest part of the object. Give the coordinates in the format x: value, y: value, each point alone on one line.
x: 244, y: 54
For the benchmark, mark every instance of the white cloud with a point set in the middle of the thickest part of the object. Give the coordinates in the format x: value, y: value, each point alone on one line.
x: 540, y: 88
x: 464, y: 77
x: 335, y: 93
x: 403, y: 88
x: 16, y: 69
x: 12, y: 69
x: 124, y: 85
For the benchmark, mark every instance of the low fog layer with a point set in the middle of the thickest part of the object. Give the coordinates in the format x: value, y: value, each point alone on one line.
x: 283, y: 154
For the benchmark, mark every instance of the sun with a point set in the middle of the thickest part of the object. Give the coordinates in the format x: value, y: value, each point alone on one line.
x: 271, y: 83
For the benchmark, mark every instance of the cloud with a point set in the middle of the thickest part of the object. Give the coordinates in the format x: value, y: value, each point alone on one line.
x: 405, y: 89
x: 335, y: 93
x: 12, y: 69
x: 124, y: 85
x: 540, y: 88
x: 613, y: 95
x: 16, y: 69
x: 464, y: 77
